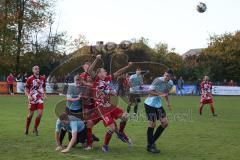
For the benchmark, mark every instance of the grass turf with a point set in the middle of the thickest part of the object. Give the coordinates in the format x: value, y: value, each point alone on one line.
x: 189, y: 136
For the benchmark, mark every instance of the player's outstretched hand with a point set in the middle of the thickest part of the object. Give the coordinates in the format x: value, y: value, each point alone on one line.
x: 65, y: 150
x: 130, y: 63
x: 59, y: 148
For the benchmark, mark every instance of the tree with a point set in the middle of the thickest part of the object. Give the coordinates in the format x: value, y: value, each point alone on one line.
x: 78, y: 42
x: 22, y: 18
x: 223, y: 53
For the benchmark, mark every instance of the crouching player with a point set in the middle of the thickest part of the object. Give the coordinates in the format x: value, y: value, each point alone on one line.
x: 154, y: 109
x: 71, y: 124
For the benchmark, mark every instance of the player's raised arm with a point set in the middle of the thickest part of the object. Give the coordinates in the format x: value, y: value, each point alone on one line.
x: 122, y: 70
x: 90, y: 69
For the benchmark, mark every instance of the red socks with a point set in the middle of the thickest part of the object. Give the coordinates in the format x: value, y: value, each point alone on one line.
x: 28, y: 121
x: 37, y: 122
x: 122, y: 126
x: 89, y: 137
x: 108, y: 137
x: 200, y: 110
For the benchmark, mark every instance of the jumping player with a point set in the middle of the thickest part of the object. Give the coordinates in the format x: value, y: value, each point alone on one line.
x: 71, y: 124
x: 206, y: 95
x: 36, y: 92
x: 109, y: 112
x: 160, y: 87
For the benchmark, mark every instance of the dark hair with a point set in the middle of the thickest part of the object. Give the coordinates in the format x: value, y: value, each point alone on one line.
x: 63, y: 116
x: 138, y: 68
x: 87, y: 62
x: 169, y: 71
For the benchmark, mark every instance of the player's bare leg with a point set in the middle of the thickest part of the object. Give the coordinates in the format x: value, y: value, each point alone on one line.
x: 28, y: 121
x: 37, y: 121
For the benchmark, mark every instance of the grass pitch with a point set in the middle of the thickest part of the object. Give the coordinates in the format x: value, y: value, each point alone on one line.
x: 188, y: 137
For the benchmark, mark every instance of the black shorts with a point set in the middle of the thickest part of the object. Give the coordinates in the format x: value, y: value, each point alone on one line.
x: 76, y: 113
x: 154, y: 114
x: 81, y: 136
x: 134, y: 98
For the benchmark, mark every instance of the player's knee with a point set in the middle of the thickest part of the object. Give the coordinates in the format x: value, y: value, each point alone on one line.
x: 152, y: 124
x: 39, y: 115
x: 125, y: 117
x: 30, y: 115
x: 90, y: 124
x: 164, y: 124
x: 113, y: 127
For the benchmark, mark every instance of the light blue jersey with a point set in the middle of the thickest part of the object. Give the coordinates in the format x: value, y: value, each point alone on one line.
x: 60, y: 126
x: 161, y: 86
x: 136, y: 81
x: 74, y: 92
x: 75, y: 125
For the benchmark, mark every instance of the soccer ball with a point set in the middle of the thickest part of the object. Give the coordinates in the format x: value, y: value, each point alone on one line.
x: 201, y: 7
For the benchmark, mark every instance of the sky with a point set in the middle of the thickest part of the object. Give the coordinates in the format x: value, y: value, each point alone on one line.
x: 175, y: 22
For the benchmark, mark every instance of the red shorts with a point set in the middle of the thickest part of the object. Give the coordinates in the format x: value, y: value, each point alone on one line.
x: 110, y: 117
x: 37, y: 106
x: 107, y: 115
x: 206, y: 101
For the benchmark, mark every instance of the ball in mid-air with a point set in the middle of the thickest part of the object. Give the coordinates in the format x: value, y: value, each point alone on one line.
x: 201, y: 7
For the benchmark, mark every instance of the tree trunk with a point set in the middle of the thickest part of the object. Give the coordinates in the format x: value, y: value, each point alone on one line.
x: 20, y: 11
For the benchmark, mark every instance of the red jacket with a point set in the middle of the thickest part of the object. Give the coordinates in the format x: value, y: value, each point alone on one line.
x: 10, y: 79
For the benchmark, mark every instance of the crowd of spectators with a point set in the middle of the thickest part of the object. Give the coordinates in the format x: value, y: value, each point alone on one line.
x: 178, y: 81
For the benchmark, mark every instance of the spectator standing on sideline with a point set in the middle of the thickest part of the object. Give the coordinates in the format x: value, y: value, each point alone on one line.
x: 231, y: 83
x: 175, y: 81
x: 225, y: 82
x: 180, y: 85
x: 25, y: 77
x: 10, y: 80
x: 19, y: 78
